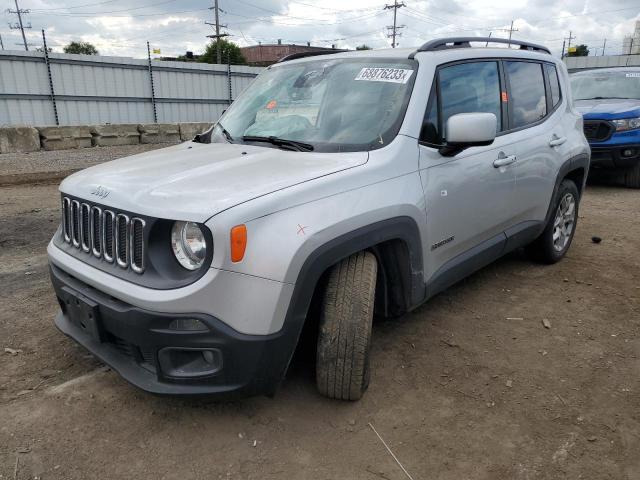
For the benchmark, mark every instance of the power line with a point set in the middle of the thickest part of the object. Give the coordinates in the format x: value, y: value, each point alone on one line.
x: 394, y: 29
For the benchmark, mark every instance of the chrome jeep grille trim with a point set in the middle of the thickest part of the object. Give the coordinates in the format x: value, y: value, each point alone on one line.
x: 105, y: 234
x: 122, y: 234
x: 96, y: 231
x: 137, y: 245
x: 85, y: 239
x: 108, y: 227
x: 75, y: 223
x: 66, y: 219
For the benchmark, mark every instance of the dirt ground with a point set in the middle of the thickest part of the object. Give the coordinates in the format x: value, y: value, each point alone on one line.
x: 470, y: 386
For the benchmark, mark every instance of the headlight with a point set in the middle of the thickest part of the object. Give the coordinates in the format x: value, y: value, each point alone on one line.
x: 189, y: 245
x: 626, y: 124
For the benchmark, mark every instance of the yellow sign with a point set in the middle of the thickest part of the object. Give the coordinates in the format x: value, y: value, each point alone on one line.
x: 156, y: 51
x: 573, y: 49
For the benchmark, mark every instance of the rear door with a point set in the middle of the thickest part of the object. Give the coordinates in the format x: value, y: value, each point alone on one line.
x: 469, y: 197
x: 535, y: 122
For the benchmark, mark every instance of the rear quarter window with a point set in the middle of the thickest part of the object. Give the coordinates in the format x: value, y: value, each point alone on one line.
x: 554, y: 84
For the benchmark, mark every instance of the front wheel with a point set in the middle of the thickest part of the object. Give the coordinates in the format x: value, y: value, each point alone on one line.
x: 556, y: 238
x: 342, y: 359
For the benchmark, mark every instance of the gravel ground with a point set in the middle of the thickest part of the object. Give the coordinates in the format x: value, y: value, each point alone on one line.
x: 472, y: 385
x: 17, y: 168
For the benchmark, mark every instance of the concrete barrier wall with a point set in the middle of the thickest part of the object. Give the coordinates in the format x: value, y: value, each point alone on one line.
x: 19, y: 140
x: 32, y: 139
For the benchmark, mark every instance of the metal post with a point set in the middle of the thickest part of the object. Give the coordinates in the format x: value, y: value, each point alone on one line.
x: 229, y: 77
x: 604, y: 45
x: 218, y: 46
x: 153, y: 92
x: 52, y: 91
x: 24, y: 38
x: 1, y: 44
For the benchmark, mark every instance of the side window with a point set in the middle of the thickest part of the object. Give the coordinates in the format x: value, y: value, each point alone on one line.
x: 470, y: 87
x: 527, y: 99
x: 552, y: 76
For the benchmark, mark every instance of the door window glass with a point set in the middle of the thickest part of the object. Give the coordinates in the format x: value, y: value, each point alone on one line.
x: 527, y: 99
x: 470, y: 87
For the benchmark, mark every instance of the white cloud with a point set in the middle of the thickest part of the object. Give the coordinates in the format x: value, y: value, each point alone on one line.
x: 122, y: 27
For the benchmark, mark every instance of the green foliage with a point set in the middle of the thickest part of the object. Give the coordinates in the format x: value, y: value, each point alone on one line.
x: 229, y: 52
x: 581, y: 51
x: 363, y: 47
x: 81, y: 48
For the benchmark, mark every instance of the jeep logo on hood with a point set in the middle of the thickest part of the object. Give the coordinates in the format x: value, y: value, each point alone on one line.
x: 100, y: 191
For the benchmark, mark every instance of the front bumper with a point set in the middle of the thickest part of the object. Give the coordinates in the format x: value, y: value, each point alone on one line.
x: 614, y: 155
x: 139, y: 345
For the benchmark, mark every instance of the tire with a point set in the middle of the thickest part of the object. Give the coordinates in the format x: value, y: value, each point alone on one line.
x: 342, y: 358
x: 552, y: 245
x: 632, y: 176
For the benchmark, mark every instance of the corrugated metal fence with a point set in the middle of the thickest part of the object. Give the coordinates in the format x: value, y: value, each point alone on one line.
x: 94, y: 90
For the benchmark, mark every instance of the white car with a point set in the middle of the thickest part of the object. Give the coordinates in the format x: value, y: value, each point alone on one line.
x: 361, y: 182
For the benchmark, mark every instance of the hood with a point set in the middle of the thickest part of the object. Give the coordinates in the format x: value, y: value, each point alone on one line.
x: 608, y: 108
x: 194, y: 181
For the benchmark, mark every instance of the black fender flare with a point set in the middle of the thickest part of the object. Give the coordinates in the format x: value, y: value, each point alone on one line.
x: 575, y: 163
x: 401, y: 228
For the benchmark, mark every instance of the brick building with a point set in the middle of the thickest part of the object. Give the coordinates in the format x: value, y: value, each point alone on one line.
x: 265, y: 55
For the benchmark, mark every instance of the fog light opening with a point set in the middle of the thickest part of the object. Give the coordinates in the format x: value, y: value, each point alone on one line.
x: 628, y: 152
x: 187, y: 324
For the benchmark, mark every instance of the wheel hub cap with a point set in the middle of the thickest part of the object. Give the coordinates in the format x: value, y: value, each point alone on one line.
x: 564, y: 222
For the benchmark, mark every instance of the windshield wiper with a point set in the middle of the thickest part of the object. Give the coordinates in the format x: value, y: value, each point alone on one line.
x: 280, y: 142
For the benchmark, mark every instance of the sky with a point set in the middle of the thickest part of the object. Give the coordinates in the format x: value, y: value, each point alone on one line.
x: 122, y: 27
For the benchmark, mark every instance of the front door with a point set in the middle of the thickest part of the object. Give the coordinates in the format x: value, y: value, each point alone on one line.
x: 469, y: 197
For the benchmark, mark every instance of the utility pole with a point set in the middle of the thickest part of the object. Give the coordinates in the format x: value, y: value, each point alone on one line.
x: 510, y: 30
x: 217, y: 35
x: 19, y: 25
x: 563, y: 44
x: 1, y: 44
x: 571, y: 37
x: 604, y: 45
x: 394, y: 29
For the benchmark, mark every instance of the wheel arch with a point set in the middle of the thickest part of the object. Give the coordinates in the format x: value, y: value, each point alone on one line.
x: 395, y: 242
x: 575, y: 169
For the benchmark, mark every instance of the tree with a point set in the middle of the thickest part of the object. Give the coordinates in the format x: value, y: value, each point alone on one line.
x: 581, y: 51
x: 229, y: 50
x: 363, y: 47
x: 81, y: 48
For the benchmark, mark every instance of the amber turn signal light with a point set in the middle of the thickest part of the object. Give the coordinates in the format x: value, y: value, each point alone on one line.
x: 238, y: 242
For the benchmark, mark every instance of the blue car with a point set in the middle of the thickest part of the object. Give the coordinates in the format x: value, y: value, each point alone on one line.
x: 609, y: 100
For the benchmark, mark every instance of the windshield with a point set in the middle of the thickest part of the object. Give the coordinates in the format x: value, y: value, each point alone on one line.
x: 332, y: 104
x: 596, y: 84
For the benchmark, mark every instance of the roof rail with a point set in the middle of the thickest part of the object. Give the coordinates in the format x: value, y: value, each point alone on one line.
x: 465, y: 42
x: 295, y: 56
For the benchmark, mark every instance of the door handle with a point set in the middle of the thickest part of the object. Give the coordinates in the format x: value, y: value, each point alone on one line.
x: 503, y: 160
x: 557, y: 141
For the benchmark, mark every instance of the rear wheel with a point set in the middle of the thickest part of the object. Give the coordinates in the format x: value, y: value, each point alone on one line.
x: 556, y: 238
x: 342, y: 360
x: 632, y: 176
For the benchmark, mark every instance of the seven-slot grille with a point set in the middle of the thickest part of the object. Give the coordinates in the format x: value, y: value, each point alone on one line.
x: 109, y: 235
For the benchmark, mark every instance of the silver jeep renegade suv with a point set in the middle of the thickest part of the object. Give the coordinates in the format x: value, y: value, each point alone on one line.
x: 365, y: 181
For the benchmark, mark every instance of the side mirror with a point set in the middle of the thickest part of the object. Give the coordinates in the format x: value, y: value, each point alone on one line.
x: 466, y: 130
